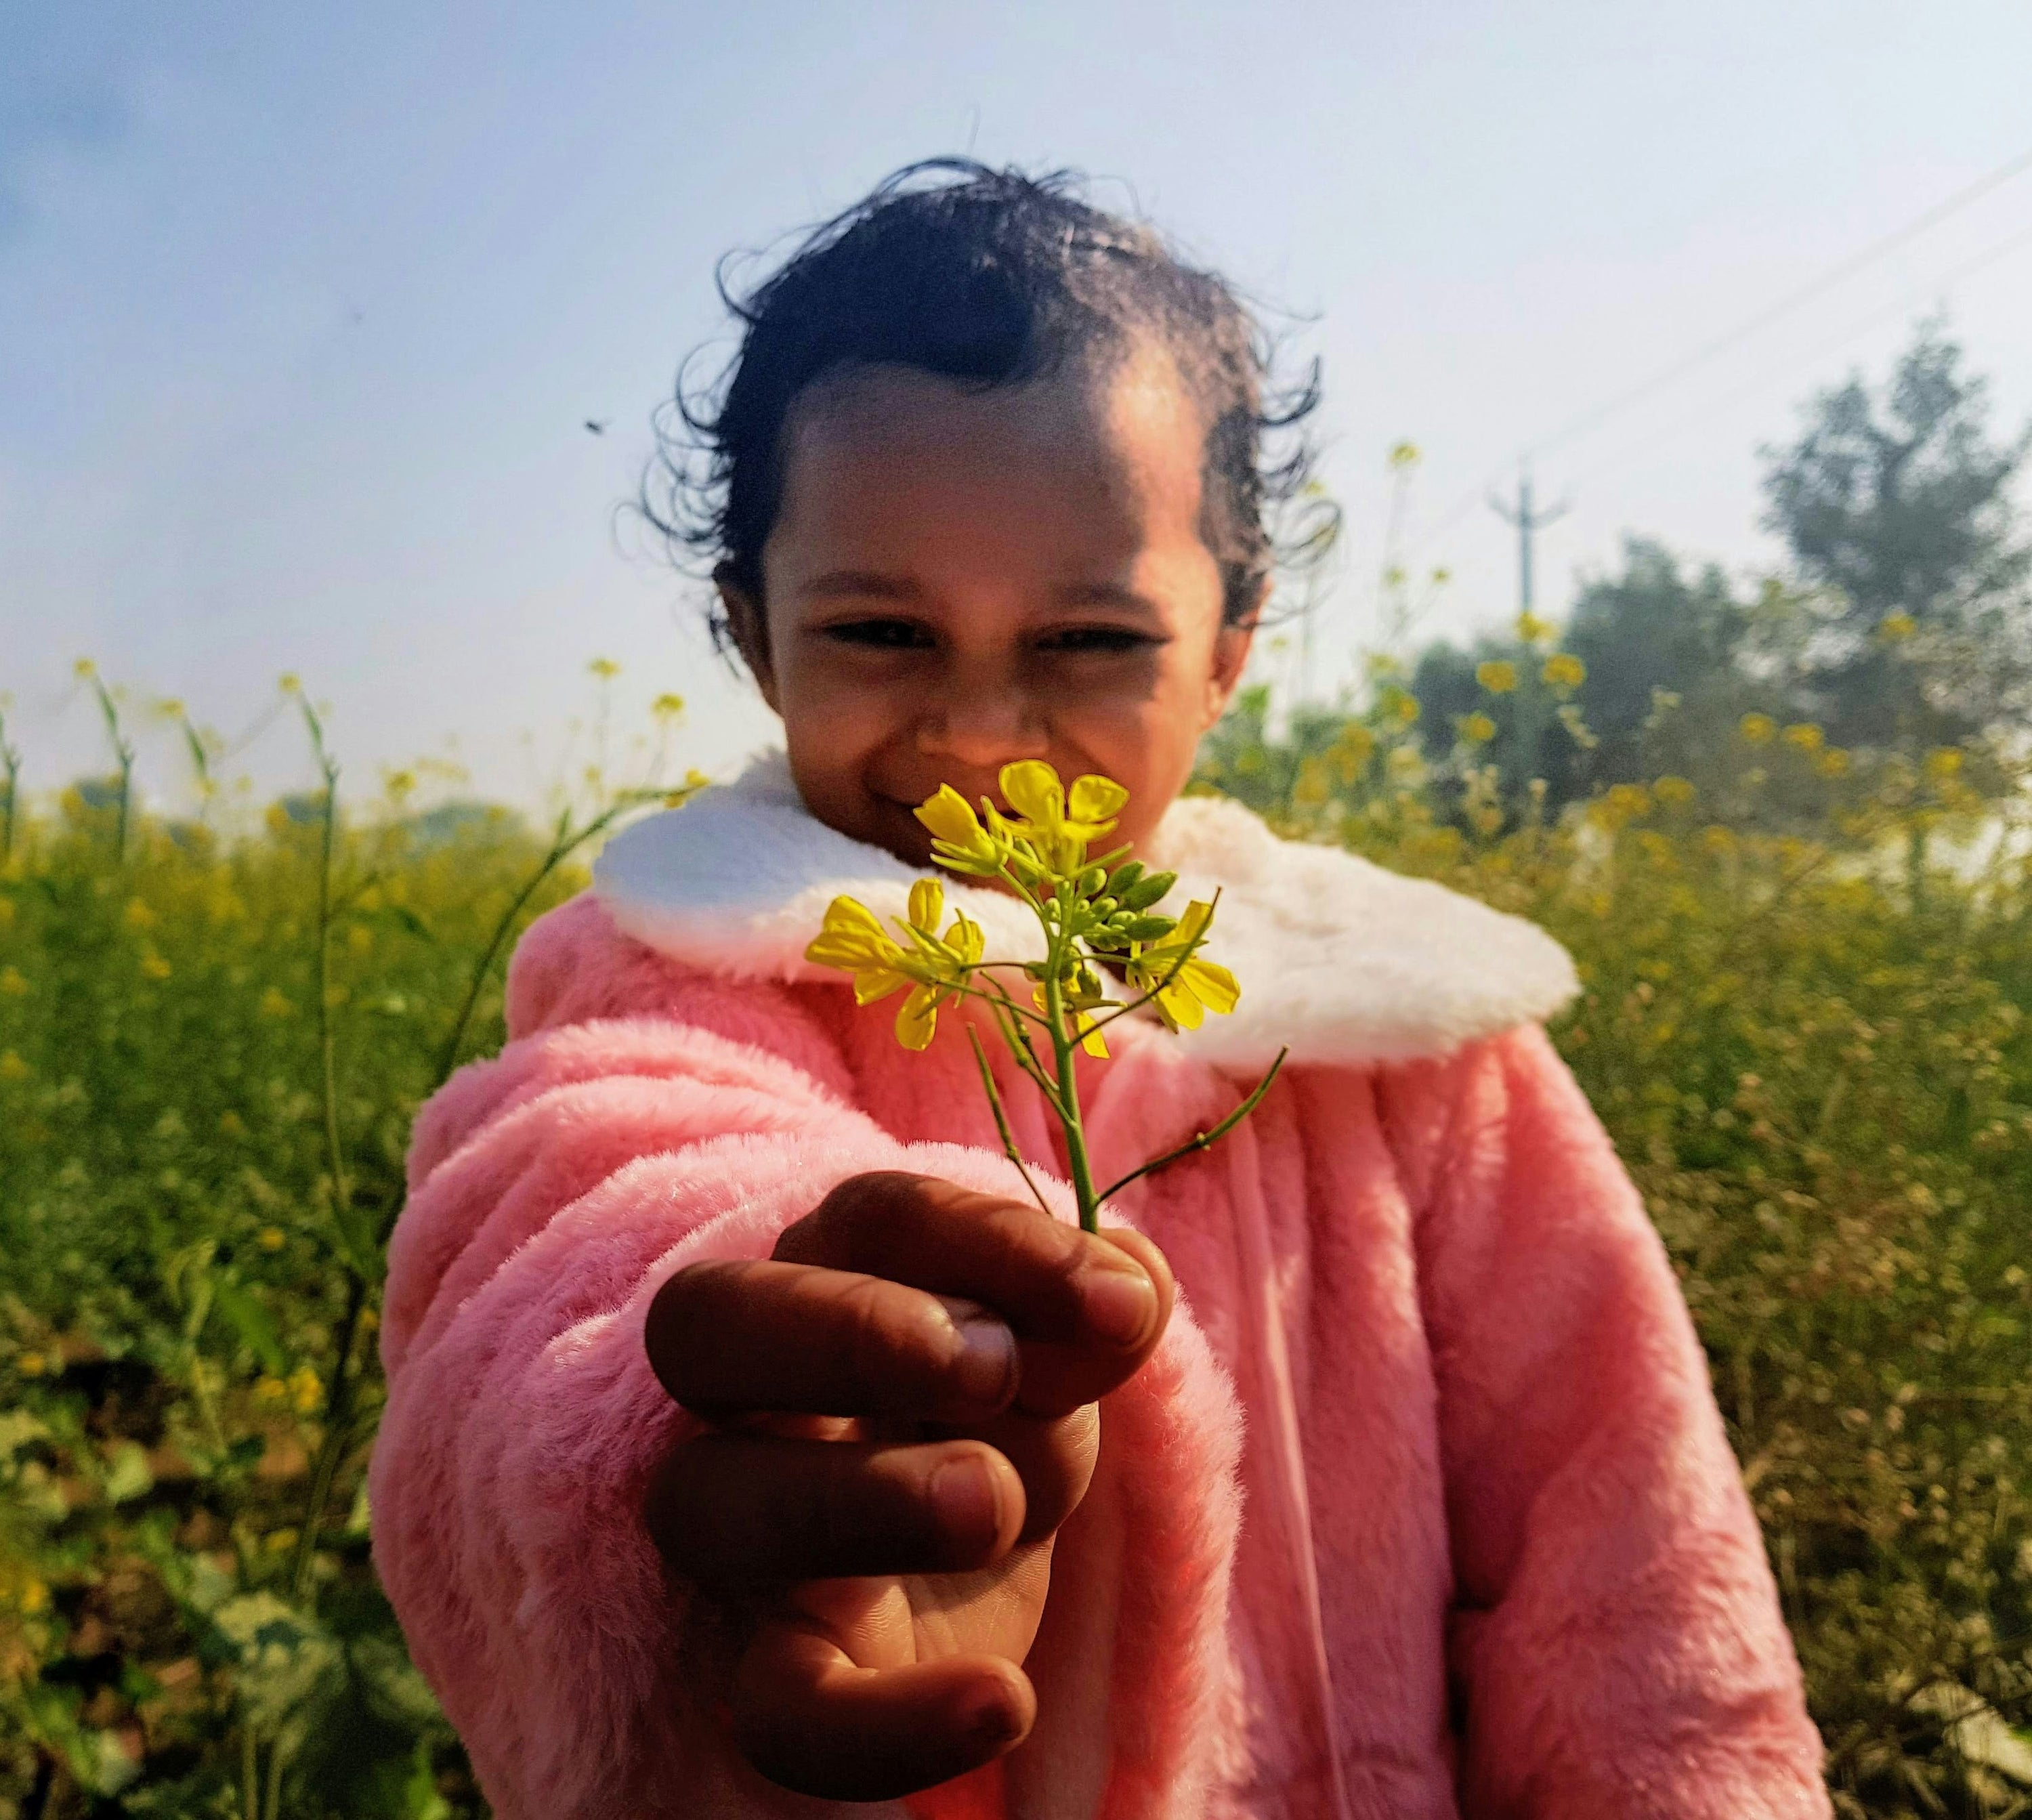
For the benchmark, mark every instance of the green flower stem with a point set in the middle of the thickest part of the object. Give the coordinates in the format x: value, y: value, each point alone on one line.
x: 1204, y: 1139
x: 1065, y: 1049
x: 1002, y: 1119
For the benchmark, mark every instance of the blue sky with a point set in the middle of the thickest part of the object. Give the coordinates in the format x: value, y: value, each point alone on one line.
x: 302, y: 309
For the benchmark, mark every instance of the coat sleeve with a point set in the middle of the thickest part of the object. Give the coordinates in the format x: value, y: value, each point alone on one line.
x: 1617, y: 1647
x: 554, y: 1190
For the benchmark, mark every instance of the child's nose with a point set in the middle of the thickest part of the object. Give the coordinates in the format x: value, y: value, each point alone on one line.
x: 983, y: 721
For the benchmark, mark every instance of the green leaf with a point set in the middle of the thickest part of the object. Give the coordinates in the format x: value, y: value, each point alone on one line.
x: 253, y: 1323
x: 128, y: 1477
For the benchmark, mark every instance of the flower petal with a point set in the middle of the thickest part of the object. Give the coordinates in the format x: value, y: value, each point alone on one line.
x: 1032, y: 789
x: 949, y: 817
x: 927, y: 903
x: 917, y: 1017
x: 1096, y: 798
x: 873, y: 983
x: 1213, y: 985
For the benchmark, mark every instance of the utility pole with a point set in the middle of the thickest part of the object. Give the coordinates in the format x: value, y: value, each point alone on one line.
x: 1527, y: 518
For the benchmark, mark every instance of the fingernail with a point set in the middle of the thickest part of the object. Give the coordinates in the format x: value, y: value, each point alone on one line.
x: 962, y: 1493
x: 990, y: 1717
x: 986, y: 1367
x: 1120, y: 1303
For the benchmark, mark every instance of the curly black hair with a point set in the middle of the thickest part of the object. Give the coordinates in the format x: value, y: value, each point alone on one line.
x: 992, y: 278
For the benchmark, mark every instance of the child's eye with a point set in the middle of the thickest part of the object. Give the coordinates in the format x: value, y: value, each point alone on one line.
x: 881, y: 634
x: 1082, y: 640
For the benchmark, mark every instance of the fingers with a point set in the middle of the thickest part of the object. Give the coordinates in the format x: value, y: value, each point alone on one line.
x: 760, y: 1334
x: 807, y: 1718
x: 1088, y: 1309
x: 730, y: 1509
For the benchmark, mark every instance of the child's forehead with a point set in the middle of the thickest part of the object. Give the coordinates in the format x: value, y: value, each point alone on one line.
x: 1132, y: 413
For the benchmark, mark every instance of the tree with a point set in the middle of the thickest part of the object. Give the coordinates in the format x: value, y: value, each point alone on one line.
x: 1669, y: 665
x: 1896, y: 508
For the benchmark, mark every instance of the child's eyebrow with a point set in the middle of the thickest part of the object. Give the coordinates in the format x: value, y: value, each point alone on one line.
x: 843, y: 583
x: 1109, y: 594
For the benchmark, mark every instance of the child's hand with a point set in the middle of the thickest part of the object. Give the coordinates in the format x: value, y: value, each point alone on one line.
x: 896, y: 1562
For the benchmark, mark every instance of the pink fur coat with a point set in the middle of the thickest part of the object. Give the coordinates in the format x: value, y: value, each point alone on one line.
x: 1423, y: 1508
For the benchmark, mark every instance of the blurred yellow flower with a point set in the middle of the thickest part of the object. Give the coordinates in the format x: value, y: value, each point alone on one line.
x: 270, y: 1239
x: 231, y: 1124
x: 1758, y: 729
x: 153, y: 966
x: 667, y: 707
x: 12, y: 1067
x: 138, y: 916
x: 1476, y: 729
x: 1943, y: 762
x: 1498, y: 676
x: 1351, y: 751
x: 1896, y: 627
x: 11, y: 983
x: 1806, y: 736
x: 1403, y: 455
x: 32, y: 1364
x: 33, y: 1599
x: 84, y: 670
x: 289, y: 682
x: 1834, y: 762
x: 306, y: 1391
x: 1563, y: 670
x: 604, y: 669
x: 271, y: 1390
x: 1673, y: 791
x: 1532, y: 629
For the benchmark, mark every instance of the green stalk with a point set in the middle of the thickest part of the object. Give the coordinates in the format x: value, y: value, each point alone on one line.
x: 1064, y: 1050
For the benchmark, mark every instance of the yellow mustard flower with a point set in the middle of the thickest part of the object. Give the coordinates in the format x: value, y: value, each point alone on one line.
x: 270, y: 1239
x: 1673, y: 791
x: 12, y: 1067
x: 667, y: 707
x: 306, y: 1391
x: 1476, y: 729
x: 274, y: 1005
x: 154, y: 967
x: 32, y: 1364
x: 13, y: 984
x: 1834, y: 762
x: 1061, y: 825
x: 1562, y: 670
x: 958, y: 841
x: 1806, y: 736
x: 1185, y: 991
x: 138, y: 915
x: 1498, y: 676
x: 1532, y: 629
x: 1896, y: 628
x: 854, y: 940
x: 1757, y: 729
x: 1943, y: 762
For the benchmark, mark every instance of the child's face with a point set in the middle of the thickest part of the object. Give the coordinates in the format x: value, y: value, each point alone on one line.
x: 958, y: 579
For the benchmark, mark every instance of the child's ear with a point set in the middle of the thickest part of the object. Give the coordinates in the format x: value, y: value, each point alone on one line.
x: 748, y: 628
x: 1230, y: 657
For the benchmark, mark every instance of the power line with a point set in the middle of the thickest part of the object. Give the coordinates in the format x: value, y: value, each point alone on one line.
x: 1836, y: 274
x: 1785, y: 305
x: 1636, y: 451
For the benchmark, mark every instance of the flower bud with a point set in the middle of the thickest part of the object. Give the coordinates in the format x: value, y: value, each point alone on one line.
x: 1145, y: 892
x: 1150, y: 929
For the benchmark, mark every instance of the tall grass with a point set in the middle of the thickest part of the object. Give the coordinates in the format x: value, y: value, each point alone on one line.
x: 1807, y: 1031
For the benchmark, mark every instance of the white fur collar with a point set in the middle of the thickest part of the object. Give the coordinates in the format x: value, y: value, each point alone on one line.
x: 1344, y: 961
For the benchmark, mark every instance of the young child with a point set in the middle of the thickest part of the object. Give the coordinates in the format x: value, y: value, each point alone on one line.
x: 754, y: 1444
